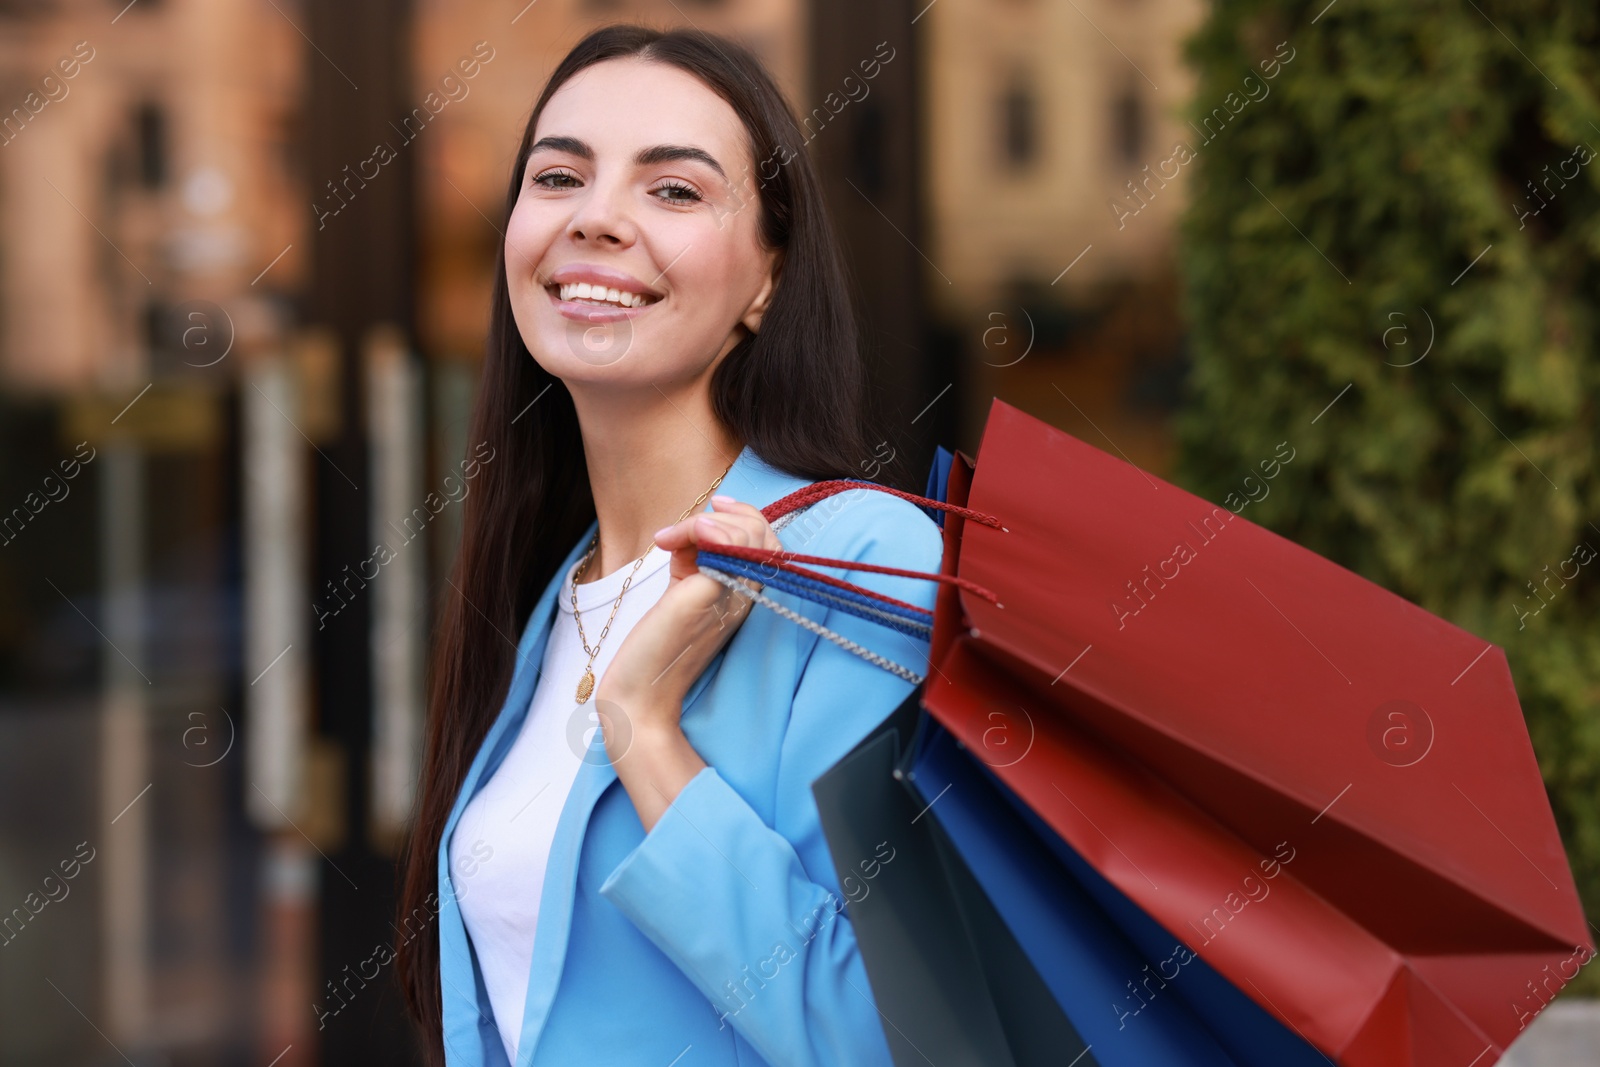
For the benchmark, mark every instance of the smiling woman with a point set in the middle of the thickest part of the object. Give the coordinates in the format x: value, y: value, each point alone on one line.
x: 612, y: 219
x: 639, y: 765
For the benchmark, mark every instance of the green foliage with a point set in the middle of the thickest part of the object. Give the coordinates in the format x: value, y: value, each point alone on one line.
x: 1400, y: 140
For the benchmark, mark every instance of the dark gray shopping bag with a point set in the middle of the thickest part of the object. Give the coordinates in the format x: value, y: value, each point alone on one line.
x: 951, y: 982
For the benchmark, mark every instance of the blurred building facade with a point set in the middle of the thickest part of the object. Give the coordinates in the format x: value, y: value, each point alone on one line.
x: 147, y: 180
x: 1054, y: 196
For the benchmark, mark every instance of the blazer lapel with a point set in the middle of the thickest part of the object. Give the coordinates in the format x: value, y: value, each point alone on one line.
x: 750, y: 481
x: 468, y: 1020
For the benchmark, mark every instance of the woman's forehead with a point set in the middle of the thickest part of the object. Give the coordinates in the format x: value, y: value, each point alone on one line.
x: 620, y: 106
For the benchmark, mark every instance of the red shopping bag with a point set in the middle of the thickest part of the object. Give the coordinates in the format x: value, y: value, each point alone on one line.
x: 1322, y: 790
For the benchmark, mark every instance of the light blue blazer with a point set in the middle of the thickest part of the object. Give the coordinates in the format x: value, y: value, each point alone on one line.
x: 723, y: 936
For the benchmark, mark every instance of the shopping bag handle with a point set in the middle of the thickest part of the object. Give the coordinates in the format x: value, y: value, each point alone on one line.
x: 802, y: 498
x: 779, y: 568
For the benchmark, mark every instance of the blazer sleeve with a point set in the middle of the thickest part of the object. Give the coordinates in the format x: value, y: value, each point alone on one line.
x: 751, y: 913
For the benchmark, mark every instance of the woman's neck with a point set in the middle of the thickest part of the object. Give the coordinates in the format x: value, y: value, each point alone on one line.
x: 649, y: 456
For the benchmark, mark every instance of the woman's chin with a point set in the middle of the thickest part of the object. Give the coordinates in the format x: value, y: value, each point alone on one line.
x: 566, y: 348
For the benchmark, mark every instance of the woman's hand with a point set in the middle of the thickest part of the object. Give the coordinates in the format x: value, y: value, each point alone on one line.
x: 640, y: 697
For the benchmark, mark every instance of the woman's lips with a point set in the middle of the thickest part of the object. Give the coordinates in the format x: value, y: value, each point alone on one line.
x: 579, y: 311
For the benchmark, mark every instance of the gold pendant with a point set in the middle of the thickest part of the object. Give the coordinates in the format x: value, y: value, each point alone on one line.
x: 585, y: 686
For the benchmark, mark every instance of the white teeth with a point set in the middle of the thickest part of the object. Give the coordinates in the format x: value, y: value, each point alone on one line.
x: 598, y: 294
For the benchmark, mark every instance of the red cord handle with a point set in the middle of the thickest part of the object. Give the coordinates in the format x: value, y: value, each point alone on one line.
x: 809, y: 495
x: 821, y: 490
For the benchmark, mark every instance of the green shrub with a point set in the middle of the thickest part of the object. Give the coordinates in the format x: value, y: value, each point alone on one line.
x: 1379, y: 199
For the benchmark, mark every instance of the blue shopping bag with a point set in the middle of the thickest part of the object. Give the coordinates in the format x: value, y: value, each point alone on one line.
x: 1138, y: 995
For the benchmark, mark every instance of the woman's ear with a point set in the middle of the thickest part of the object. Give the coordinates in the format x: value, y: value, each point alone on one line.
x: 758, y: 306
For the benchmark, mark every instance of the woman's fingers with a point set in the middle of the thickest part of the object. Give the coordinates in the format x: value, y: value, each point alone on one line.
x: 758, y: 532
x: 676, y: 536
x: 697, y: 530
x: 750, y: 518
x: 732, y: 523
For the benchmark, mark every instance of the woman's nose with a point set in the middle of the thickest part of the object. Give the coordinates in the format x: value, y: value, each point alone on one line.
x: 603, y: 215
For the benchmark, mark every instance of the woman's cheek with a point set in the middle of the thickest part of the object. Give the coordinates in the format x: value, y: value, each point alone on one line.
x: 530, y: 231
x: 523, y: 249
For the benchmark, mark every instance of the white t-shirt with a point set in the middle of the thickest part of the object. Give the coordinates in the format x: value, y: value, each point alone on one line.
x: 500, y: 847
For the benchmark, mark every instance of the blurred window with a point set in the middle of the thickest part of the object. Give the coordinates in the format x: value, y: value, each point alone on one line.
x: 150, y: 125
x: 1019, y: 122
x: 1127, y: 124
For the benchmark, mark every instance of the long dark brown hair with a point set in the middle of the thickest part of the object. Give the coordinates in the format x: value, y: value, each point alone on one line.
x: 795, y: 393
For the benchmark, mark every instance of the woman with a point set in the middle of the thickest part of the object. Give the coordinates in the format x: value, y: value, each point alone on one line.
x: 670, y: 318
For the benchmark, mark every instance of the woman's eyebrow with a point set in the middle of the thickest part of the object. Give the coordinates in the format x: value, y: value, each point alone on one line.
x: 667, y: 153
x: 661, y: 153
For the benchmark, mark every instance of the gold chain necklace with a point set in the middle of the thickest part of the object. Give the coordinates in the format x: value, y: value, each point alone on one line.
x: 586, y: 683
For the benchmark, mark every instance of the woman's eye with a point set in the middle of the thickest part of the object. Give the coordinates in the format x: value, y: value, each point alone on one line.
x: 677, y: 193
x: 552, y: 179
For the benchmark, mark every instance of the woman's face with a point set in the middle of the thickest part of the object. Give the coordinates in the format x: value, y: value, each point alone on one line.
x: 633, y: 255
